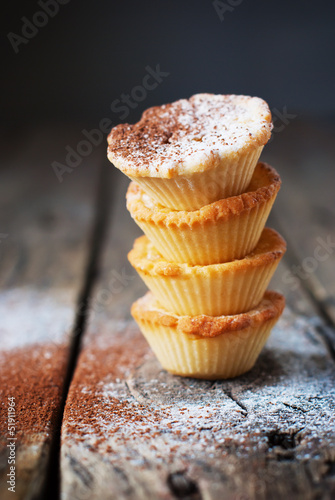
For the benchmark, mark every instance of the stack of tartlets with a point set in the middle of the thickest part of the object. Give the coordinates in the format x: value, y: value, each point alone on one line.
x: 202, y: 201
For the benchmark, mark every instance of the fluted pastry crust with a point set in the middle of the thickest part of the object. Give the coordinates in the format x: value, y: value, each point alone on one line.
x: 145, y: 258
x: 265, y: 183
x: 147, y: 309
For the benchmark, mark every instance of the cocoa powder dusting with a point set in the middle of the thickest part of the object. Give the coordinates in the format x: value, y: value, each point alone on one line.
x: 100, y: 366
x: 34, y: 376
x: 189, y: 132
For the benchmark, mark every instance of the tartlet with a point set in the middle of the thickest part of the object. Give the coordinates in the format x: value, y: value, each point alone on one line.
x: 217, y: 289
x: 206, y: 346
x: 194, y: 151
x: 222, y: 231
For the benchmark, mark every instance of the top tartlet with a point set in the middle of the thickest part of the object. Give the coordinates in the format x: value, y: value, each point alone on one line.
x: 189, y: 135
x: 194, y: 151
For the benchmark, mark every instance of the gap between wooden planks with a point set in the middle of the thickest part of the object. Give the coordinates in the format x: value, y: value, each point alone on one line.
x: 305, y: 209
x: 45, y: 256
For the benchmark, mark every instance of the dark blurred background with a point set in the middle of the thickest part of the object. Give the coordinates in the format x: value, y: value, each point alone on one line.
x: 82, y: 56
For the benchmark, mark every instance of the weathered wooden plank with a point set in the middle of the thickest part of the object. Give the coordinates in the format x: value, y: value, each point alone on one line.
x: 305, y: 209
x: 132, y: 431
x: 131, y: 428
x: 43, y: 260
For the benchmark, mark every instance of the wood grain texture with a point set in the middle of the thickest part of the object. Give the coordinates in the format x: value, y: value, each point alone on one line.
x: 132, y: 431
x: 43, y: 261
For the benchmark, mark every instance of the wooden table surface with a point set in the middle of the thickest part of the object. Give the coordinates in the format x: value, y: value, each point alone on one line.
x: 93, y: 415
